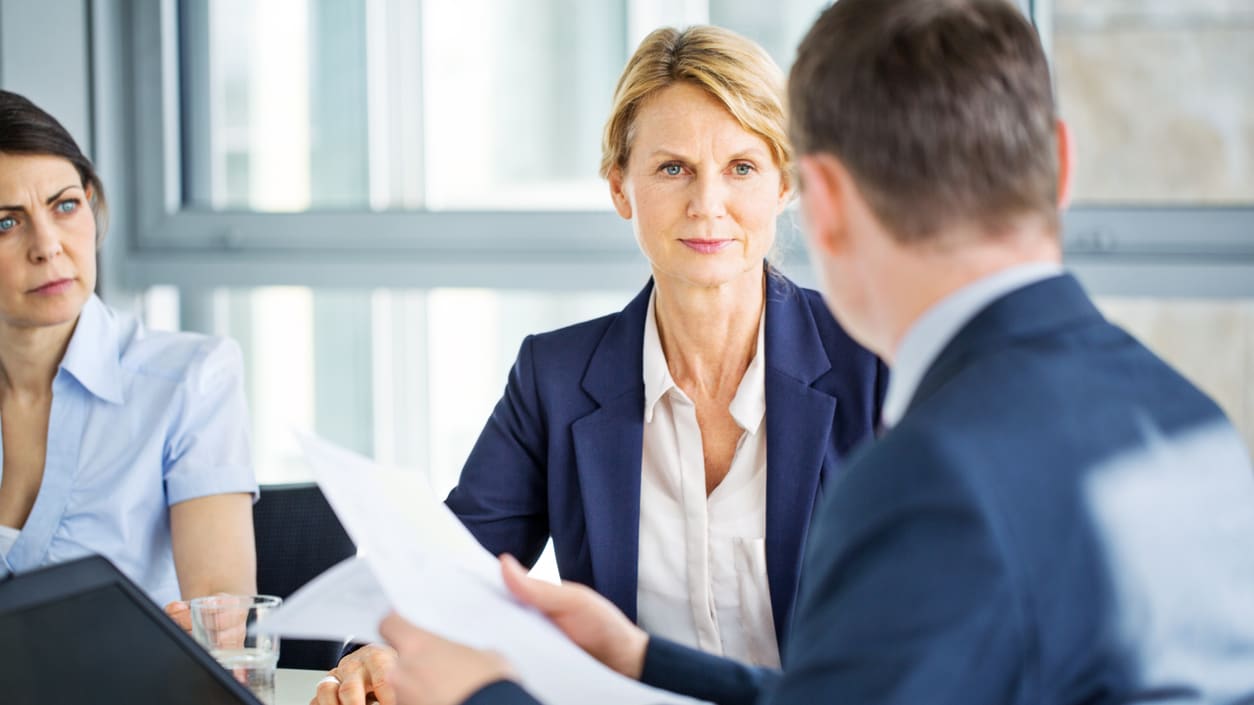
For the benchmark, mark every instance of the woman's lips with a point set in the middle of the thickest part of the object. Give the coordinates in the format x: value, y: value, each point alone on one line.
x: 707, y: 247
x: 54, y: 287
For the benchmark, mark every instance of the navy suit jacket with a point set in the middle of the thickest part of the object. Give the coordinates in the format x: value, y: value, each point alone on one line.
x: 561, y: 454
x: 1058, y: 519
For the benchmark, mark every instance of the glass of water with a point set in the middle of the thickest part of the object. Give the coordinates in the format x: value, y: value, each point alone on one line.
x: 223, y: 624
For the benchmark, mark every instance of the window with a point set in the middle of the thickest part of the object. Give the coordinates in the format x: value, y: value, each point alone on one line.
x: 1161, y: 106
x: 295, y: 105
x: 353, y: 174
x: 406, y: 376
x: 1159, y: 98
x: 391, y: 104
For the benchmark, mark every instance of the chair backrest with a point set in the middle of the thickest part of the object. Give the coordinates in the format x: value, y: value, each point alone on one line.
x: 298, y: 537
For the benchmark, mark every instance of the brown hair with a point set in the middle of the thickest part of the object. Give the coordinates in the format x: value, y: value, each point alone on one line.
x: 27, y: 129
x: 942, y: 110
x: 732, y: 69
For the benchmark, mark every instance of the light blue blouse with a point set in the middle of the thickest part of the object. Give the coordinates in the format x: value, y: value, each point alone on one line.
x: 140, y: 421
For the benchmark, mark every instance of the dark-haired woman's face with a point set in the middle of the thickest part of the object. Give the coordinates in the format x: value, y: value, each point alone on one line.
x: 47, y: 241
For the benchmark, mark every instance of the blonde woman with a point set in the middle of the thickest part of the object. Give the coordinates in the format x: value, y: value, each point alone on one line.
x: 674, y: 451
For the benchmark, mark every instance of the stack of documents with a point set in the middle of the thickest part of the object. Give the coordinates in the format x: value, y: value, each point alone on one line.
x: 416, y: 558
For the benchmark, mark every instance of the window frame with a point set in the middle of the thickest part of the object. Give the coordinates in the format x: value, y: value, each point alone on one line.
x: 1174, y: 251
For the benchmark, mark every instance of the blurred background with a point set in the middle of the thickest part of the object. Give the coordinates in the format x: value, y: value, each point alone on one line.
x: 379, y: 198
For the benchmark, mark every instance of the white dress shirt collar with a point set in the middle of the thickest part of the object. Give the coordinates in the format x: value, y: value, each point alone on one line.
x: 748, y: 407
x: 940, y: 323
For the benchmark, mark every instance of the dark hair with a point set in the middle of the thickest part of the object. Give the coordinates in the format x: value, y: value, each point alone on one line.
x: 942, y: 110
x: 27, y: 129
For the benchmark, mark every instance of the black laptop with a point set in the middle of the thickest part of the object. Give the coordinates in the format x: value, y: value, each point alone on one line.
x: 81, y: 632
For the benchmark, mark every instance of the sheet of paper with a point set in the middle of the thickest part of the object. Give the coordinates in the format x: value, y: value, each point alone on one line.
x: 344, y: 603
x: 434, y: 573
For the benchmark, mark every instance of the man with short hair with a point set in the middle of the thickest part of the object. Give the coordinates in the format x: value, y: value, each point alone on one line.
x: 1053, y: 515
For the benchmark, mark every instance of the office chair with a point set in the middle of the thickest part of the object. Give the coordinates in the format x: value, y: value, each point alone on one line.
x: 298, y: 537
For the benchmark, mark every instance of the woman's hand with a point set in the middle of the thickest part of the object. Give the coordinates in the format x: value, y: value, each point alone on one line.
x: 584, y: 616
x: 181, y: 613
x: 360, y: 674
x: 431, y: 670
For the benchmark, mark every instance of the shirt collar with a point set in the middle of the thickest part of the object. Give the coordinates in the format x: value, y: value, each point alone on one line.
x: 92, y: 356
x: 657, y: 376
x: 748, y: 407
x: 939, y: 324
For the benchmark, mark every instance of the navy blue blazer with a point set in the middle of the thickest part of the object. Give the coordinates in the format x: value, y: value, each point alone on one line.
x: 560, y: 455
x: 1058, y: 519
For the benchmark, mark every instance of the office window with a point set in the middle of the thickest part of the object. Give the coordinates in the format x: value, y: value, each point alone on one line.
x: 406, y: 376
x: 341, y: 133
x: 1161, y: 105
x: 358, y: 106
x: 1159, y: 97
x: 395, y: 104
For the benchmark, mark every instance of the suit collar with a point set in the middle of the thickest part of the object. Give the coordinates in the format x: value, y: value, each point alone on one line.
x: 1034, y: 310
x: 747, y: 408
x: 928, y: 336
x: 793, y: 344
x: 615, y: 367
x: 799, y: 420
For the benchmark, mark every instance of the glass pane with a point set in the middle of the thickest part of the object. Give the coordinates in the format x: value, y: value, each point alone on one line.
x: 405, y: 376
x: 777, y: 26
x: 1209, y: 341
x: 1159, y: 97
x: 293, y: 105
x: 296, y: 105
x: 275, y: 104
x: 516, y: 95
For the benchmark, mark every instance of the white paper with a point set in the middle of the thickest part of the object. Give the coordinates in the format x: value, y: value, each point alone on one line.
x: 435, y: 574
x: 344, y: 603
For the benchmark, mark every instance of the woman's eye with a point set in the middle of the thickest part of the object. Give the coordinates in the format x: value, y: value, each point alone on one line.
x: 672, y: 169
x: 743, y: 169
x: 7, y: 223
x: 68, y: 206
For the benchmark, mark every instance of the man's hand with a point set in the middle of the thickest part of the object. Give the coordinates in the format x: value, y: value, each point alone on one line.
x: 434, y: 671
x: 587, y: 618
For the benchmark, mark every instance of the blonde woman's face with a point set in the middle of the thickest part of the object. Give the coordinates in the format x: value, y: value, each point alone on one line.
x: 702, y: 192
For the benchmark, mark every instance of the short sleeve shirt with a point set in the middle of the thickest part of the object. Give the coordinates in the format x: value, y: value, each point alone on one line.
x: 140, y: 421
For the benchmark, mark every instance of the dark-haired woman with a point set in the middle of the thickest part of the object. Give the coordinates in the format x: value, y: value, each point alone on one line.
x: 116, y: 440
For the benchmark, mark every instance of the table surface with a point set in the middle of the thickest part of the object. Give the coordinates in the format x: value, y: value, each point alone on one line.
x: 294, y: 686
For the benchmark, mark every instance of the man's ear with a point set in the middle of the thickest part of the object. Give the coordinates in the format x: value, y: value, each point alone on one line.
x: 821, y: 189
x: 622, y: 203
x: 1066, y: 160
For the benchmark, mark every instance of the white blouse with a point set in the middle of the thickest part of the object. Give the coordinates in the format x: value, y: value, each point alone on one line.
x: 702, y: 563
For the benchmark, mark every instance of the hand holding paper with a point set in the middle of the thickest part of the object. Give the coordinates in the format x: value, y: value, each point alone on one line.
x: 433, y: 573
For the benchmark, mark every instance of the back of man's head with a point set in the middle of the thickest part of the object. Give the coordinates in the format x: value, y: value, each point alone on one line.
x: 942, y: 110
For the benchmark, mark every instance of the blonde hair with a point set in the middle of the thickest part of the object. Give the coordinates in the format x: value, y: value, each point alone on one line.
x: 734, y: 70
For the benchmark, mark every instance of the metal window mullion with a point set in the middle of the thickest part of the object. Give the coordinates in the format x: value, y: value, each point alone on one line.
x: 156, y: 163
x: 196, y: 82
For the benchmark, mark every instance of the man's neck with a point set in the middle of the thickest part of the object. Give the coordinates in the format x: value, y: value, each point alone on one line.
x: 922, y: 278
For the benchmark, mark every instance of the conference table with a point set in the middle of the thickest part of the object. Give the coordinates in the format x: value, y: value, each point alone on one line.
x: 294, y: 686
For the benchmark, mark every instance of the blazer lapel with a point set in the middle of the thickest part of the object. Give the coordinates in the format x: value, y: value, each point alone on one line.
x: 1038, y: 308
x: 798, y: 423
x: 608, y: 454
